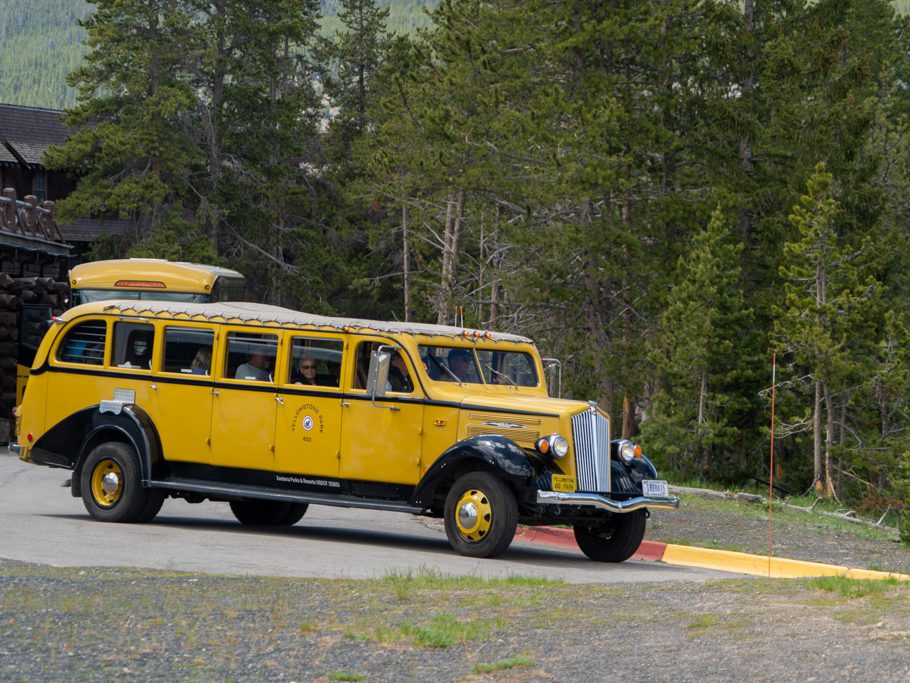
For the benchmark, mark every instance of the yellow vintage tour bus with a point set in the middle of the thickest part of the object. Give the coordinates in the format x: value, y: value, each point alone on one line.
x: 272, y: 410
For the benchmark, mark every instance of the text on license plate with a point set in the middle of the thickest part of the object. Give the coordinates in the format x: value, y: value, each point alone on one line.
x: 655, y: 488
x: 562, y: 483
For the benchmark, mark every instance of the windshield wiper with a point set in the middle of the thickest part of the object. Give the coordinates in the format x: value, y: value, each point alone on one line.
x: 499, y: 374
x: 445, y: 368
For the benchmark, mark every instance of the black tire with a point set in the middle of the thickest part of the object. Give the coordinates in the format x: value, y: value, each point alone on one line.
x: 267, y: 512
x: 112, y: 485
x: 481, y: 515
x: 152, y: 505
x: 613, y: 540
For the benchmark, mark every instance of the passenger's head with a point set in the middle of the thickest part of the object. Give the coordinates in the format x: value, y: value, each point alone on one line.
x: 257, y: 360
x: 202, y: 359
x: 307, y: 367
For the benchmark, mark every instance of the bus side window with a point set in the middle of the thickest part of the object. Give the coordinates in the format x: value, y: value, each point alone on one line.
x: 188, y: 350
x: 84, y: 343
x: 322, y: 355
x: 133, y: 345
x: 251, y: 356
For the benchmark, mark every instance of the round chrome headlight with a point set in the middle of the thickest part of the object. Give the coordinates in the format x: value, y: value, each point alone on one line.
x: 626, y: 451
x: 560, y: 446
x: 555, y: 445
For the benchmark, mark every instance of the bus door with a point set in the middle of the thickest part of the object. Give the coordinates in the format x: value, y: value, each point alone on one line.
x: 183, y: 393
x: 381, y: 441
x: 308, y: 427
x: 245, y: 401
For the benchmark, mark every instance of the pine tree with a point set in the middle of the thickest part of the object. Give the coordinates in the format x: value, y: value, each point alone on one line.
x: 354, y: 55
x: 132, y: 148
x: 828, y: 305
x: 257, y: 120
x: 694, y: 422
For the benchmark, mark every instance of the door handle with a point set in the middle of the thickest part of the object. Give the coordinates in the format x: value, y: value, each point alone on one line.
x: 153, y: 386
x: 214, y: 392
x: 345, y: 404
x: 280, y: 400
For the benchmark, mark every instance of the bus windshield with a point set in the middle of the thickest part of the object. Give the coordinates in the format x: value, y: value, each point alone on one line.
x: 479, y: 366
x: 86, y: 296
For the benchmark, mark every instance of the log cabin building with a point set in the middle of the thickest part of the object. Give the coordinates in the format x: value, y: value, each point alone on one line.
x: 36, y: 252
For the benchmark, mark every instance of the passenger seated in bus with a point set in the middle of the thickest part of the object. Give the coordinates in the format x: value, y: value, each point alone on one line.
x: 399, y: 378
x: 305, y: 372
x: 254, y: 368
x: 202, y: 362
x: 139, y: 350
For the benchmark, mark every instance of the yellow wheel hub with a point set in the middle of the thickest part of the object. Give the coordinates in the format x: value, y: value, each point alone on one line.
x: 473, y: 515
x: 107, y: 483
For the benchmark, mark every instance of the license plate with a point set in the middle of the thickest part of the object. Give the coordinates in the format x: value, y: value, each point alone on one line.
x: 563, y: 484
x: 655, y: 488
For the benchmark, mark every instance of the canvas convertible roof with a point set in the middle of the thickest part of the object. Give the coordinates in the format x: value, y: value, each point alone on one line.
x: 283, y: 317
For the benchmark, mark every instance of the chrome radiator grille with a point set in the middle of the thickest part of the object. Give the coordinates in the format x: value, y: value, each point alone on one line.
x: 591, y: 436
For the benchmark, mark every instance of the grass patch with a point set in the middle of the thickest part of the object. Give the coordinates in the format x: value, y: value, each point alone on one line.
x: 345, y: 676
x: 444, y: 630
x: 851, y: 588
x: 703, y: 623
x: 427, y: 579
x: 510, y: 663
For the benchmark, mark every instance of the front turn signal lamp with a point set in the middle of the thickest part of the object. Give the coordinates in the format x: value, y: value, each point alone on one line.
x: 628, y: 451
x: 555, y: 445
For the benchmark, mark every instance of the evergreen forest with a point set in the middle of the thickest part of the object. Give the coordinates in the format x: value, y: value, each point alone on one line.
x: 665, y: 195
x: 41, y: 42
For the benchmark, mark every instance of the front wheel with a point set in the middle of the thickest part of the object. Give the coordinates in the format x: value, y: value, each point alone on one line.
x: 268, y: 512
x: 480, y: 515
x: 112, y: 485
x: 613, y: 540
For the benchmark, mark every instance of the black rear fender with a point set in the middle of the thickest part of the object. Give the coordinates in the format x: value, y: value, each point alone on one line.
x: 69, y: 442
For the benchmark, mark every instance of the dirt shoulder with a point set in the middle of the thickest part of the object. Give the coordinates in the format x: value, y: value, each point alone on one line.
x: 99, y: 624
x: 732, y: 524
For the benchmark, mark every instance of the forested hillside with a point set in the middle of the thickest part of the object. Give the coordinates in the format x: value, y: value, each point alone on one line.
x: 41, y: 42
x: 664, y: 195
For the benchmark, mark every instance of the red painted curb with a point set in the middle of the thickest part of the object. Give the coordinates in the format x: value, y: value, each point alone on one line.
x: 565, y: 538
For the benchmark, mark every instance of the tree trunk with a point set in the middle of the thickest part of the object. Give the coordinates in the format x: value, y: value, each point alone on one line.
x: 817, y: 440
x: 406, y: 260
x: 829, y: 441
x: 451, y: 236
x: 214, y: 115
x: 702, y: 392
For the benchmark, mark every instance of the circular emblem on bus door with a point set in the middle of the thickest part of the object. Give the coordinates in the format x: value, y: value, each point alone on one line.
x: 308, y: 422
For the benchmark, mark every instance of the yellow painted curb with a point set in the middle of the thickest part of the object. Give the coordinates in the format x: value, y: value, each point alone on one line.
x: 780, y: 568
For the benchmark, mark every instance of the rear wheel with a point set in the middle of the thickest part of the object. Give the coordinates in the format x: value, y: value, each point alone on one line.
x: 480, y: 515
x: 112, y: 485
x: 613, y: 540
x: 268, y: 512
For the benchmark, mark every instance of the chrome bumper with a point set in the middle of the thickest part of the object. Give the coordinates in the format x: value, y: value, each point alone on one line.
x: 15, y: 449
x: 603, y: 503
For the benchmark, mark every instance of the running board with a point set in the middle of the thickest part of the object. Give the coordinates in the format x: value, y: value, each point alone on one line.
x: 261, y: 493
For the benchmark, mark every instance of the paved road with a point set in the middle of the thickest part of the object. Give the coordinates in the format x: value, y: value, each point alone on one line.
x: 41, y: 522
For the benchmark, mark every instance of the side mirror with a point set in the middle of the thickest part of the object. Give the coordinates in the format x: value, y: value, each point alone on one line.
x: 553, y: 370
x: 378, y: 375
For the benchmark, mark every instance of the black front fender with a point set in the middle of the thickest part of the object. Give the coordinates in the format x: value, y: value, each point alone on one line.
x: 627, y: 478
x: 490, y: 451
